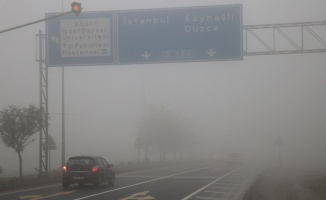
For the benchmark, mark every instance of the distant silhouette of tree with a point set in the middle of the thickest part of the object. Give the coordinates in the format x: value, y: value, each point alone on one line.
x: 164, y: 131
x: 17, y: 125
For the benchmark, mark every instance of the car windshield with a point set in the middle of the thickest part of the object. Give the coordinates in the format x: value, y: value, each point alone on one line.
x: 81, y: 161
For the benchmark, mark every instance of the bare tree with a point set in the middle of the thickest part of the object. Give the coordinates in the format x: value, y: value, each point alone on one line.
x: 17, y: 125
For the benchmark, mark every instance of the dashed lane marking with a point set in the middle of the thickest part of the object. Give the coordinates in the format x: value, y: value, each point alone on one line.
x: 206, y: 186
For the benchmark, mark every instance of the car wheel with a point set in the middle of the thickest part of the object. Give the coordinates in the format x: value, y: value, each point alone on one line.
x: 112, y: 181
x: 65, y: 185
x: 99, y: 181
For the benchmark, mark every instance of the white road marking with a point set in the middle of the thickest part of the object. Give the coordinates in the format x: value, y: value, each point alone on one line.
x: 206, y: 186
x: 177, y: 177
x: 159, y: 178
x: 86, y: 197
x: 59, y: 185
x: 194, y: 177
x: 137, y: 176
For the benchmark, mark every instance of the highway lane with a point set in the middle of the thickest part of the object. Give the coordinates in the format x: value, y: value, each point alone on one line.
x: 176, y: 182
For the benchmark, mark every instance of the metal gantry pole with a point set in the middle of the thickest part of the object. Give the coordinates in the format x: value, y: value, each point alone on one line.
x: 46, y: 115
x: 43, y: 76
x: 41, y: 104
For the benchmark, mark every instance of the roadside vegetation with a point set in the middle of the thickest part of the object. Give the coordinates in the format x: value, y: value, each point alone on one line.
x: 17, y: 126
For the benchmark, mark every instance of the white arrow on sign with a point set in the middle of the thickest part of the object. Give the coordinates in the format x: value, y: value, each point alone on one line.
x: 211, y: 52
x: 146, y: 55
x: 55, y: 39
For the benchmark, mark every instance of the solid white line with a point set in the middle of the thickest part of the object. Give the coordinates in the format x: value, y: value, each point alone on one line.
x: 206, y: 186
x: 29, y: 190
x: 138, y: 176
x: 179, y: 177
x: 139, y: 183
x: 194, y: 177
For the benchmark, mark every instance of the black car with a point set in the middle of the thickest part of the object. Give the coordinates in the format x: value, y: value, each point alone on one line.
x: 87, y: 169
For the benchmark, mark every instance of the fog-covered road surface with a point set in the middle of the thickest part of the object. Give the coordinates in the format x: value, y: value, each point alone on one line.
x: 178, y: 182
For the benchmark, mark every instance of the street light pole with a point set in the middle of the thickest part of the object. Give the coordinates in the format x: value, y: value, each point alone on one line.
x: 75, y: 8
x: 63, y: 118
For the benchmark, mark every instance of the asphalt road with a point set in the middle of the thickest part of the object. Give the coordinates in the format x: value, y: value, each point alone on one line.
x: 180, y: 182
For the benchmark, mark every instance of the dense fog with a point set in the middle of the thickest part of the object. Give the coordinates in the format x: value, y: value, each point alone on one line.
x: 216, y: 107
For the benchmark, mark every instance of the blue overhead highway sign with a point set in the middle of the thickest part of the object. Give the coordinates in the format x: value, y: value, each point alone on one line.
x: 145, y: 36
x: 86, y: 39
x: 179, y: 34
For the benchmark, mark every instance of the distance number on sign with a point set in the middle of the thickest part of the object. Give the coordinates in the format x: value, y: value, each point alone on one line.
x: 178, y: 54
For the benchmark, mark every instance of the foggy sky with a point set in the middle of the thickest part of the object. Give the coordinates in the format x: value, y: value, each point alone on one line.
x: 235, y: 106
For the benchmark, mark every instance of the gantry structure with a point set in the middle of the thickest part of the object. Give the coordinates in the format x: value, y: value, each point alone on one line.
x: 268, y: 39
x: 289, y: 38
